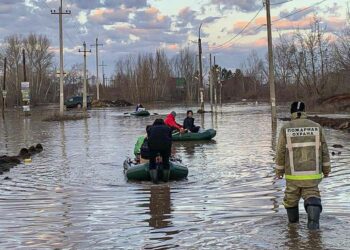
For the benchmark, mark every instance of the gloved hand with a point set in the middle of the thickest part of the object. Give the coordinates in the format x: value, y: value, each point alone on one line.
x: 325, y: 175
x: 279, y: 174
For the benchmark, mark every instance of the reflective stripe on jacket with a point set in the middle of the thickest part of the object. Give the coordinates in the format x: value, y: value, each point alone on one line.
x: 302, y: 151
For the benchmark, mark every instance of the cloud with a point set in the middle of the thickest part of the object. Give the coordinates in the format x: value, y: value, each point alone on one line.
x: 126, y: 3
x: 133, y: 26
x: 109, y: 16
x: 94, y: 4
x: 240, y: 5
x: 332, y: 10
x: 187, y: 21
x: 296, y: 13
x: 151, y: 18
x: 334, y: 23
x: 90, y: 4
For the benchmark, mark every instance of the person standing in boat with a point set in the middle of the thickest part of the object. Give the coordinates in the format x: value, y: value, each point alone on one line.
x: 303, y: 157
x: 159, y: 143
x: 171, y: 122
x: 139, y: 106
x: 189, y: 123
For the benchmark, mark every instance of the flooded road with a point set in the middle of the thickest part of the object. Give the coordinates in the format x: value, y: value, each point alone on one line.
x: 74, y: 194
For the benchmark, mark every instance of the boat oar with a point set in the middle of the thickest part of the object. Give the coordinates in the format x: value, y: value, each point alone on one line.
x: 178, y: 132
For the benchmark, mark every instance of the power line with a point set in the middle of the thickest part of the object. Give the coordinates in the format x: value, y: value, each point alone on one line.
x: 298, y: 11
x: 281, y: 2
x: 257, y: 28
x: 241, y: 31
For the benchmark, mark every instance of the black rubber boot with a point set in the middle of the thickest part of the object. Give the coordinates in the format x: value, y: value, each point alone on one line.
x: 313, y: 217
x: 293, y: 214
x: 313, y: 208
x: 166, y: 175
x: 154, y: 175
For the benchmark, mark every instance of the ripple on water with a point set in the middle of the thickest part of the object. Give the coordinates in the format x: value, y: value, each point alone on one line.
x: 74, y: 195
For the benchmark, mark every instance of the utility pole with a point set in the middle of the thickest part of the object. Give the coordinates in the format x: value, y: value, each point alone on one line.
x: 271, y: 64
x: 98, y: 79
x: 211, y: 84
x: 215, y: 77
x: 4, y: 90
x: 220, y: 85
x: 25, y: 93
x: 60, y: 13
x: 103, y: 65
x: 24, y: 65
x: 201, y: 87
x: 85, y: 83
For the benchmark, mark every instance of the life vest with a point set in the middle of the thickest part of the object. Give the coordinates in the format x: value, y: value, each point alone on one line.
x: 303, y: 145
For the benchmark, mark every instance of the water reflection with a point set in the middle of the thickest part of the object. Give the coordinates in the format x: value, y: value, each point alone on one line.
x: 63, y: 141
x: 202, y: 120
x: 74, y: 195
x: 274, y: 135
x: 191, y: 148
x: 159, y: 206
x: 299, y: 238
x: 293, y: 237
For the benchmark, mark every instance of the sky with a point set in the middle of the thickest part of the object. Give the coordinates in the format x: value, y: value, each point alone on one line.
x: 142, y: 26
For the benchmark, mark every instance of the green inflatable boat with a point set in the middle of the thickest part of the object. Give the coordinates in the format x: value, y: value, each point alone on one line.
x: 207, y: 134
x: 141, y: 113
x: 140, y: 172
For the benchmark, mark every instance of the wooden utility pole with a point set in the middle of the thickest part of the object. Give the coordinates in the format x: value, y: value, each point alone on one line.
x: 4, y: 90
x: 103, y: 65
x: 98, y: 79
x: 85, y: 83
x: 25, y: 103
x: 201, y: 87
x: 60, y: 13
x: 215, y: 77
x: 220, y: 86
x: 211, y: 84
x: 24, y: 65
x: 271, y: 64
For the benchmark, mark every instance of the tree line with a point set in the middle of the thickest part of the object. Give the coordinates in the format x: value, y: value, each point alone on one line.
x: 309, y: 64
x: 38, y: 60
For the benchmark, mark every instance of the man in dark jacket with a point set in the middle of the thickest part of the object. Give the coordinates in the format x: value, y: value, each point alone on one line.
x: 159, y: 142
x: 189, y: 123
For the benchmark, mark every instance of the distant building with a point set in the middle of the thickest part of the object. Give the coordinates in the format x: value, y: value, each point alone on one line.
x: 177, y: 88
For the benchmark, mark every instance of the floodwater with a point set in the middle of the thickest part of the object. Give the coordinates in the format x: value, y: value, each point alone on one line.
x: 74, y: 195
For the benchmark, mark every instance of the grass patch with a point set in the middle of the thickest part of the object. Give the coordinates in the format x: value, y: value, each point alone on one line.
x: 66, y: 117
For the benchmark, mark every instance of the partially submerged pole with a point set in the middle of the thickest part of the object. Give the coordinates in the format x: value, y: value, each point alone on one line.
x: 61, y: 13
x: 271, y: 63
x: 211, y: 85
x: 85, y: 78
x: 201, y: 87
x: 4, y: 90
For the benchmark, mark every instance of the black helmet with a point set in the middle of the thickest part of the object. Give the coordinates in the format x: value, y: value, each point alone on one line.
x: 297, y: 107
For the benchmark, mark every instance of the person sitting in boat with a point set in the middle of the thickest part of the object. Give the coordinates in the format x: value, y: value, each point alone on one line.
x: 189, y: 123
x: 141, y: 149
x: 139, y: 107
x: 171, y: 122
x: 159, y: 142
